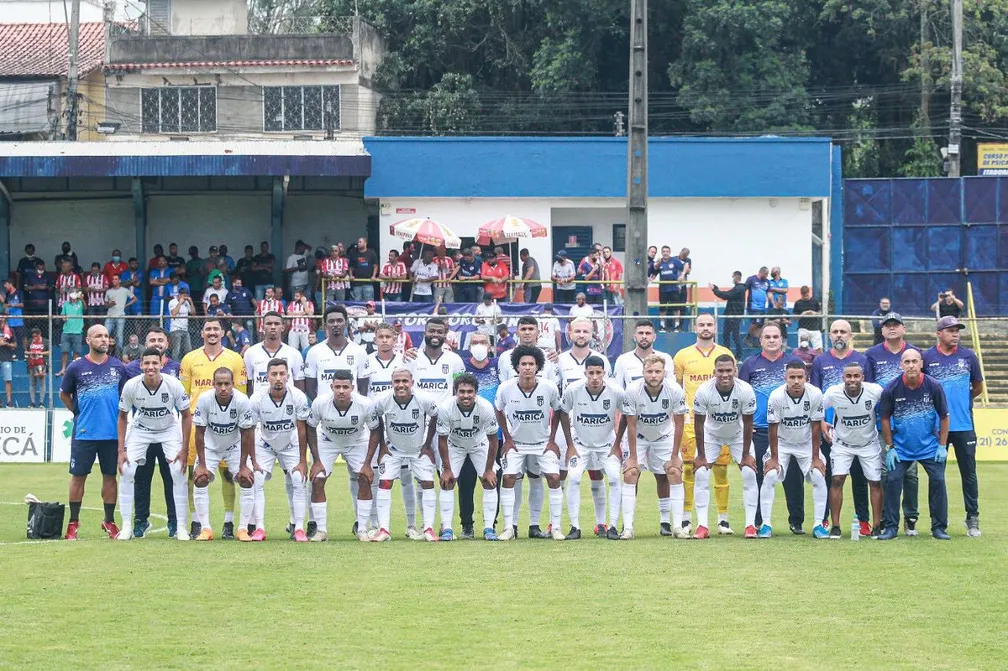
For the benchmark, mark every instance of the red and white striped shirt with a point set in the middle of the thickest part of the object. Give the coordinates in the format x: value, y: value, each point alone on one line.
x: 97, y: 285
x: 397, y: 271
x: 300, y: 324
x: 266, y: 305
x: 331, y: 268
x: 445, y: 267
x: 64, y: 285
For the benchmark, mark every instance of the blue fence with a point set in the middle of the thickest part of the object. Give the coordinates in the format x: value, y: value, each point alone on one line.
x: 910, y: 239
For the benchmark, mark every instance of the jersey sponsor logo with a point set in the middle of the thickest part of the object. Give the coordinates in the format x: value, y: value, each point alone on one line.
x: 528, y: 415
x: 795, y: 422
x: 379, y: 387
x: 698, y: 378
x: 595, y: 420
x: 221, y: 429
x: 154, y: 413
x: 278, y: 425
x: 341, y: 431
x: 652, y: 419
x: 432, y: 384
x: 466, y: 433
x: 405, y: 427
x: 857, y: 420
x: 724, y: 417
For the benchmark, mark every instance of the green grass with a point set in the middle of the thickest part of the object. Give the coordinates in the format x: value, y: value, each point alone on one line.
x: 789, y: 602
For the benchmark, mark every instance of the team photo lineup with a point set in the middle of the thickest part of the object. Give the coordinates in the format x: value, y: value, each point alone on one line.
x: 524, y: 426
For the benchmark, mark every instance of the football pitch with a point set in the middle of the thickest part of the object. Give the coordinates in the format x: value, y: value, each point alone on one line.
x: 787, y: 602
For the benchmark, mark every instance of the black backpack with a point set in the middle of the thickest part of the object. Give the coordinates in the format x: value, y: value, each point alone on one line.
x: 45, y: 520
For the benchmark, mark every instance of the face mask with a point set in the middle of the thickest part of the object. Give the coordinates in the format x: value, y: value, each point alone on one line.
x: 479, y: 352
x: 116, y: 259
x: 803, y: 344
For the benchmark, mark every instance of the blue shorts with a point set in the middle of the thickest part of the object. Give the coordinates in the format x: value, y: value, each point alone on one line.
x: 83, y: 453
x: 6, y: 374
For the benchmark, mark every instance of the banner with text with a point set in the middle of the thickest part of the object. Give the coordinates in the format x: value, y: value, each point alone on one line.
x: 62, y: 432
x: 992, y: 158
x: 22, y: 436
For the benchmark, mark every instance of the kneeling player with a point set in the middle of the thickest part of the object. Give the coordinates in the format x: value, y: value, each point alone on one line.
x: 339, y: 425
x: 794, y: 411
x: 280, y: 411
x: 723, y: 410
x: 408, y: 418
x: 224, y: 423
x: 654, y: 411
x: 855, y: 436
x: 158, y: 402
x: 589, y: 406
x: 467, y: 427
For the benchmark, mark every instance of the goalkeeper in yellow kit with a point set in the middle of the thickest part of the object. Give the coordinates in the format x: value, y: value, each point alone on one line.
x: 694, y: 365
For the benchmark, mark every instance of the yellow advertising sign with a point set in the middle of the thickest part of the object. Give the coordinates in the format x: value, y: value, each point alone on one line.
x: 992, y: 158
x: 992, y: 434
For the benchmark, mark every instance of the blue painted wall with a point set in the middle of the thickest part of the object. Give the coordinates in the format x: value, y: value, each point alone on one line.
x: 175, y: 166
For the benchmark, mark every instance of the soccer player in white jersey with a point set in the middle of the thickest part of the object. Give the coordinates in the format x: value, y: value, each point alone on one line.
x: 794, y: 411
x: 407, y: 420
x: 280, y: 412
x: 523, y: 407
x: 723, y: 410
x: 160, y: 408
x: 340, y: 424
x: 589, y: 407
x: 854, y: 434
x: 467, y: 426
x: 654, y: 412
x: 272, y: 347
x: 224, y: 422
x: 334, y: 353
x: 629, y: 366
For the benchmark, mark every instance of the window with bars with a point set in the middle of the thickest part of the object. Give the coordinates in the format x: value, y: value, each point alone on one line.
x: 179, y: 109
x: 296, y: 108
x: 619, y: 237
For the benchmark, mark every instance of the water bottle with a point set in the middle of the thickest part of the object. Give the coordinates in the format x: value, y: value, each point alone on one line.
x: 855, y: 530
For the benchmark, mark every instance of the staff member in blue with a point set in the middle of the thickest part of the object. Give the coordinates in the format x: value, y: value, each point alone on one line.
x: 958, y: 371
x: 911, y: 406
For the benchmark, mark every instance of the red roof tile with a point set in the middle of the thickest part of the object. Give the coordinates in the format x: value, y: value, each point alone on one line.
x: 230, y: 65
x: 43, y: 49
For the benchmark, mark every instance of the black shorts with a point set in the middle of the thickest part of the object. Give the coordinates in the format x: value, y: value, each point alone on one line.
x: 83, y: 453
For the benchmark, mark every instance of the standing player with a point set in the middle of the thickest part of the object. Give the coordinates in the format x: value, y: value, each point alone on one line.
x: 590, y: 405
x: 223, y: 422
x: 90, y: 390
x: 523, y: 405
x: 340, y: 425
x: 854, y: 435
x: 280, y: 411
x: 694, y: 365
x: 654, y: 411
x: 723, y: 410
x: 334, y: 353
x: 794, y: 412
x: 407, y: 419
x: 629, y: 366
x: 157, y: 402
x: 467, y: 428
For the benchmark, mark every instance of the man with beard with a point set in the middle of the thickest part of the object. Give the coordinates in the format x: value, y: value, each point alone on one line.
x: 334, y: 353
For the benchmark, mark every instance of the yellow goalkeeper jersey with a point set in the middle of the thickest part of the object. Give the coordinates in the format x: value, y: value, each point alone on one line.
x: 694, y: 367
x: 197, y: 370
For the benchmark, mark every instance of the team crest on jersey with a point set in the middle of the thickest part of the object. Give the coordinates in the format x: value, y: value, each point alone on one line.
x: 353, y: 419
x: 444, y: 369
x: 807, y: 405
x: 734, y: 404
x: 664, y: 404
x: 605, y: 404
x: 234, y: 413
x: 349, y: 359
x: 290, y: 409
x: 539, y: 400
x: 867, y: 405
x: 381, y: 468
x: 164, y: 397
x: 416, y: 413
x: 475, y: 419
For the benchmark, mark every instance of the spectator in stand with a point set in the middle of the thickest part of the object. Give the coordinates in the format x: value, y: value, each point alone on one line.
x: 488, y: 317
x: 581, y: 308
x: 8, y: 349
x: 684, y: 257
x: 423, y: 273
x: 245, y: 268
x: 67, y: 255
x: 809, y: 313
x: 241, y: 339
x: 669, y: 270
x: 805, y: 351
x: 549, y: 331
x: 590, y: 270
x: 37, y: 355
x: 173, y: 259
x: 96, y: 284
x: 505, y: 341
x: 563, y: 275
x: 67, y: 282
x: 115, y: 267
x: 392, y: 276
x: 180, y: 308
x: 312, y: 341
x: 153, y: 261
x: 530, y: 273
x: 779, y: 313
x: 364, y: 266
x: 242, y: 303
x: 118, y: 300
x: 38, y: 291
x: 758, y: 286
x: 229, y: 262
x: 215, y: 290
x: 407, y: 258
x: 195, y: 273
x: 214, y: 307
x: 447, y: 272
x: 262, y: 266
x: 468, y: 271
x: 879, y: 315
x: 132, y: 350
x: 269, y: 303
x: 297, y: 266
x: 132, y: 279
x: 15, y: 312
x: 947, y: 305
x: 735, y: 299
x: 503, y: 257
x: 652, y: 266
x: 72, y: 339
x: 333, y: 271
x: 495, y: 276
x: 778, y: 286
x: 210, y: 263
x: 403, y: 340
x: 159, y: 279
x: 26, y: 264
x: 366, y: 326
x: 612, y: 271
x: 300, y: 312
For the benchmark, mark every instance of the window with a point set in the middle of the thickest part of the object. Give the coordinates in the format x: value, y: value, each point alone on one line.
x: 619, y: 237
x: 179, y: 109
x: 294, y: 108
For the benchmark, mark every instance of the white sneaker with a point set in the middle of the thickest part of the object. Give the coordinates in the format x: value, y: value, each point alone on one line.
x: 364, y: 536
x: 124, y: 534
x: 429, y: 535
x: 319, y: 537
x: 413, y: 534
x: 627, y: 535
x: 557, y: 535
x: 724, y: 529
x: 182, y: 535
x: 507, y: 535
x: 382, y: 536
x: 680, y: 532
x: 373, y: 533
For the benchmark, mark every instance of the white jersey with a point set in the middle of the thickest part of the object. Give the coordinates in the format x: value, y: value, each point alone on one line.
x: 794, y: 417
x: 629, y: 368
x: 573, y: 370
x: 723, y: 414
x: 436, y: 376
x: 550, y: 371
x: 592, y: 417
x: 466, y: 430
x: 549, y: 326
x: 155, y: 413
x: 854, y: 418
x: 257, y: 358
x: 322, y: 361
x: 341, y: 429
x: 278, y: 421
x: 654, y: 413
x: 405, y: 425
x: 381, y: 373
x: 528, y: 414
x: 223, y: 422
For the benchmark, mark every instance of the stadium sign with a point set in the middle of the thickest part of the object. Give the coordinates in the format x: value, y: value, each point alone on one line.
x: 992, y: 158
x: 62, y: 432
x: 22, y: 436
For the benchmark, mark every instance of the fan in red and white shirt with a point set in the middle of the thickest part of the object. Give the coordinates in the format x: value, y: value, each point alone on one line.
x: 269, y: 304
x: 300, y: 311
x: 66, y: 282
x: 446, y: 270
x: 393, y: 270
x: 96, y: 285
x: 334, y: 269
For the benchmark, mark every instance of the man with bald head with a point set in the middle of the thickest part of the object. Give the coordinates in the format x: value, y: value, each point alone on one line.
x: 90, y: 390
x: 827, y: 371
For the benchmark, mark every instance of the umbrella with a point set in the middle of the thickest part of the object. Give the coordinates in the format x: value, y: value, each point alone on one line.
x: 510, y: 227
x: 426, y: 232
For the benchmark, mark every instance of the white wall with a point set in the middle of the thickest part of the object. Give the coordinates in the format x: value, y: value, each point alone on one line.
x: 54, y: 11
x: 93, y: 228
x: 234, y: 219
x: 321, y: 219
x: 209, y: 17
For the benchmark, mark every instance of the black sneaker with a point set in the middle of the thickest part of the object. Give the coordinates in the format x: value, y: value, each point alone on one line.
x: 612, y: 534
x: 250, y: 528
x: 312, y: 528
x: 353, y: 529
x: 535, y: 532
x: 834, y: 533
x: 910, y: 526
x: 797, y: 530
x: 467, y: 533
x: 601, y: 530
x: 194, y: 529
x: 228, y: 533
x: 876, y: 531
x: 514, y: 528
x: 573, y: 535
x: 290, y: 530
x: 666, y: 529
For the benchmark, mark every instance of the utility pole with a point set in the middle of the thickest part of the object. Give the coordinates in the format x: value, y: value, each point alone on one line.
x: 637, y: 183
x: 955, y: 109
x: 73, y: 74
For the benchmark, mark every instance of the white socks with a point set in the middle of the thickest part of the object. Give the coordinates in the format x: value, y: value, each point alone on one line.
x: 320, y: 510
x: 489, y: 507
x: 409, y: 498
x: 750, y: 495
x: 556, y: 507
x: 665, y: 507
x: 701, y: 495
x: 289, y: 486
x: 598, y: 499
x: 126, y: 489
x: 180, y: 492
x: 629, y: 505
x: 246, y: 497
x: 819, y: 493
x: 767, y: 493
x: 446, y: 500
x: 201, y: 500
x: 574, y: 496
x: 614, y: 478
x: 507, y: 502
x: 384, y: 504
x: 428, y: 499
x: 537, y: 495
x: 260, y: 500
x: 366, y: 510
x: 677, y: 501
x: 300, y: 504
x: 516, y: 501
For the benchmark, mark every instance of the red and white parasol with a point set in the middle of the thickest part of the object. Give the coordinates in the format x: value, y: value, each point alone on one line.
x: 426, y: 232
x: 510, y: 228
